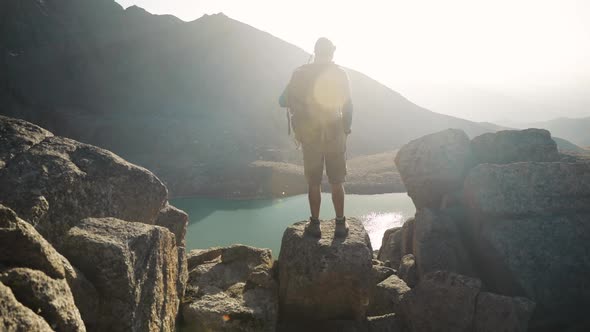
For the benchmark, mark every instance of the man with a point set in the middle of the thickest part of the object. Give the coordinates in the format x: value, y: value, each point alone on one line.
x: 319, y: 100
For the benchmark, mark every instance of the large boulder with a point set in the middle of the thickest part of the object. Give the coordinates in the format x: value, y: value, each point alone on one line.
x: 327, y: 278
x: 85, y: 295
x: 50, y: 298
x: 529, y: 228
x: 15, y: 317
x: 55, y: 182
x: 407, y: 270
x: 39, y: 277
x: 230, y: 289
x: 442, y: 301
x: 33, y: 250
x: 434, y: 165
x: 135, y: 269
x: 17, y: 136
x: 396, y: 243
x: 446, y: 301
x: 176, y: 221
x: 390, y: 250
x: 510, y: 146
x: 437, y: 243
x: 526, y: 189
x: 502, y: 313
x: 388, y: 296
x: 381, y: 271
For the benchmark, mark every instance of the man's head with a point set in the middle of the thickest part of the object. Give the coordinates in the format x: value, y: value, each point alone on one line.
x: 324, y: 49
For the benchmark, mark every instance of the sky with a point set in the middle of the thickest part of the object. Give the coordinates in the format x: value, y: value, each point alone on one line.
x: 498, y: 60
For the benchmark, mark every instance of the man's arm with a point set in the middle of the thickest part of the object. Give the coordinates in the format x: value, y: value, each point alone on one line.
x: 283, y: 98
x: 347, y: 108
x: 347, y: 116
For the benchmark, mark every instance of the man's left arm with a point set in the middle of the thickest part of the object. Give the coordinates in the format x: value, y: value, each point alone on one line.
x: 347, y: 108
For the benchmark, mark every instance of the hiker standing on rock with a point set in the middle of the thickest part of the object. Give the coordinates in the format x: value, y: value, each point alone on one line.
x: 320, y: 109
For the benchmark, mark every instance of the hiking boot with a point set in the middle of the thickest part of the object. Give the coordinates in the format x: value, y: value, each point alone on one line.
x: 313, y: 227
x: 341, y: 227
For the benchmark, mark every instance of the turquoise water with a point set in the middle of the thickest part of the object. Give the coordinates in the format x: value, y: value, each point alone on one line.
x: 260, y: 223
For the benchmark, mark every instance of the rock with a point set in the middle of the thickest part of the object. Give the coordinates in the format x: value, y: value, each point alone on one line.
x: 325, y: 279
x: 391, y: 246
x: 442, y: 301
x: 15, y: 317
x: 197, y: 257
x: 407, y: 270
x: 33, y: 250
x: 388, y: 296
x: 323, y: 326
x: 510, y: 146
x: 529, y: 228
x: 231, y: 289
x: 381, y: 272
x: 530, y: 256
x: 85, y: 295
x: 527, y: 189
x: 54, y: 183
x: 17, y: 136
x: 398, y: 243
x: 50, y: 298
x: 134, y: 268
x: 386, y: 323
x: 434, y: 165
x: 182, y: 273
x: 407, y: 238
x: 58, y: 181
x: 502, y: 313
x: 437, y: 244
x: 175, y: 220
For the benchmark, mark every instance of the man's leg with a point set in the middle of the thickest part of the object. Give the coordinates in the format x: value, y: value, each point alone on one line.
x: 313, y: 166
x: 338, y: 199
x: 314, y: 195
x: 336, y: 169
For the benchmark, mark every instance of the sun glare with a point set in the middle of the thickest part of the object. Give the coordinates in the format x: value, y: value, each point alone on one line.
x: 419, y: 46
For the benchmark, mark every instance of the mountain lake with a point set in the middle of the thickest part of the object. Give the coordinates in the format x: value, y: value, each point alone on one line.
x: 261, y: 222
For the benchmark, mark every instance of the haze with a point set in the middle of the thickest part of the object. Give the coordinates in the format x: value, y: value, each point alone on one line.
x: 501, y: 61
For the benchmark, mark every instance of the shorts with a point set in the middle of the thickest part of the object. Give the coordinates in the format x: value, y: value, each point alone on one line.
x: 313, y: 164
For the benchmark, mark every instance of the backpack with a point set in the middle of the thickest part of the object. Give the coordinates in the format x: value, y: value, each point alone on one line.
x: 315, y: 99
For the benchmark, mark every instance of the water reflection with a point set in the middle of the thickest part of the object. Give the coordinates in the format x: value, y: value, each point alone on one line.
x: 261, y: 223
x: 377, y: 223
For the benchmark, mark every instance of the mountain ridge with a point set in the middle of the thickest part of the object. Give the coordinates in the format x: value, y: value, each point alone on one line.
x: 195, y: 102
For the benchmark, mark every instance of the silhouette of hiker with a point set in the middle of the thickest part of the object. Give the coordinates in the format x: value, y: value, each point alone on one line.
x: 320, y: 108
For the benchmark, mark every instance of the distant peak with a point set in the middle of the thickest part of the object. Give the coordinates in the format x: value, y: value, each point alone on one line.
x: 220, y: 15
x: 138, y: 10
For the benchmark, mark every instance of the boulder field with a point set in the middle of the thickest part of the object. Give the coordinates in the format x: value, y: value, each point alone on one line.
x: 89, y: 242
x: 511, y: 212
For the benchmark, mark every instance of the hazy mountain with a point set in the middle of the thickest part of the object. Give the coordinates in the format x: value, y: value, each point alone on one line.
x: 575, y: 130
x: 193, y: 101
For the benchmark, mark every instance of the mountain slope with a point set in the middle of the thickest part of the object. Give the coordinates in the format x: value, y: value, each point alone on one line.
x: 574, y: 130
x: 192, y: 101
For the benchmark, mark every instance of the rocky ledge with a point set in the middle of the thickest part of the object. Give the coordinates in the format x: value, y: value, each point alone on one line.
x: 88, y: 241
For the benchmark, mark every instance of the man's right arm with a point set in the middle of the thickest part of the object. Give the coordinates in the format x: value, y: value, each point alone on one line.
x: 283, y: 98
